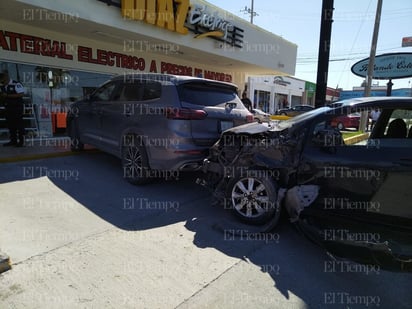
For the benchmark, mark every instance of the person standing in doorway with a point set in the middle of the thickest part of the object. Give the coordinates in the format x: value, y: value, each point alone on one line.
x: 12, y: 95
x: 246, y: 102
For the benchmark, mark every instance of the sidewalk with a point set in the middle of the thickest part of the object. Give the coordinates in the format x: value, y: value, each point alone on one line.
x: 37, y: 148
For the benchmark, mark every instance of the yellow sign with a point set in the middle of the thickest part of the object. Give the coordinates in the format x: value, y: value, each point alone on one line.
x: 158, y: 12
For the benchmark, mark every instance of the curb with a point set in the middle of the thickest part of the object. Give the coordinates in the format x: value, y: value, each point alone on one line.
x: 4, y: 263
x: 279, y: 117
x: 39, y: 156
x: 356, y: 139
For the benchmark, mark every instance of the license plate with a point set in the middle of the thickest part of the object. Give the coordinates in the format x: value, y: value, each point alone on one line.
x: 224, y: 125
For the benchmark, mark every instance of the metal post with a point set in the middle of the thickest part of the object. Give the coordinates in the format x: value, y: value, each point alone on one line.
x: 252, y: 12
x: 324, y: 49
x: 371, y: 63
x: 389, y: 88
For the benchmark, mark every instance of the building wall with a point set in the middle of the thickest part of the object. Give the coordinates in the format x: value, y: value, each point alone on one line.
x: 261, y: 51
x: 278, y: 91
x: 88, y: 41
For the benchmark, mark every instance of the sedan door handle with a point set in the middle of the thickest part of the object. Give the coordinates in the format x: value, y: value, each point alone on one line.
x: 406, y: 161
x: 97, y: 111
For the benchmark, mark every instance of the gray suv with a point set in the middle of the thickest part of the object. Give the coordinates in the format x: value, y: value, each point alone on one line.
x: 156, y: 123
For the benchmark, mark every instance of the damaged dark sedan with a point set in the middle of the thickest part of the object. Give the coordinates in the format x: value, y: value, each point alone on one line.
x: 354, y: 197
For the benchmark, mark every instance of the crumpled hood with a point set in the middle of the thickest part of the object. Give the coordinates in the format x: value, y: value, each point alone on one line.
x: 252, y: 128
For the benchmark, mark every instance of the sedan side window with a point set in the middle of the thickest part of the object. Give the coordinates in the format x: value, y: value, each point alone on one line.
x: 399, y: 124
x: 393, y: 129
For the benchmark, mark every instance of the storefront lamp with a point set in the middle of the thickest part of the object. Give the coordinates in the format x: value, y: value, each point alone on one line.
x: 50, y: 78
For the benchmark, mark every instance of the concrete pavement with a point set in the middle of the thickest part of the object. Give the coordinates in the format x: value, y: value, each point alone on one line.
x: 78, y: 236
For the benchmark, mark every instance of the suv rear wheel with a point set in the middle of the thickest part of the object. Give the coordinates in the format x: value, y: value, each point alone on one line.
x: 253, y: 200
x: 134, y: 162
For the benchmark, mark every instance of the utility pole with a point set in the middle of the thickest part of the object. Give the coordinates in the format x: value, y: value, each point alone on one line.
x: 372, y: 55
x: 250, y: 11
x: 324, y: 49
x: 371, y: 63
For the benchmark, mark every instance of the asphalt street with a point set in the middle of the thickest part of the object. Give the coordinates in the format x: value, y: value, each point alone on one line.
x: 79, y: 236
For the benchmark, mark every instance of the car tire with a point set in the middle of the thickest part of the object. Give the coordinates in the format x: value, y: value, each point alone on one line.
x: 134, y: 162
x: 75, y: 143
x: 253, y: 199
x: 340, y: 126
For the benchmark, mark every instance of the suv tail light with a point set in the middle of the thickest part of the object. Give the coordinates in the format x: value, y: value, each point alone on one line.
x: 185, y: 113
x: 250, y: 118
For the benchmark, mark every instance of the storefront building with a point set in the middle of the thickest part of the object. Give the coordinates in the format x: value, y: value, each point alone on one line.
x: 61, y: 50
x: 272, y: 92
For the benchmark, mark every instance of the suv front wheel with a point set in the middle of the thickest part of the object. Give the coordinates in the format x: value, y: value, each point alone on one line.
x: 253, y: 199
x: 135, y: 164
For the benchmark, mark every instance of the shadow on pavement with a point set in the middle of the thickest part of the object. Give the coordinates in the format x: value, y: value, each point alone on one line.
x: 295, y: 265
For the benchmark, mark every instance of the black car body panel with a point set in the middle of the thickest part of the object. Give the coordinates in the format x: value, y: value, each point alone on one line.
x: 354, y: 199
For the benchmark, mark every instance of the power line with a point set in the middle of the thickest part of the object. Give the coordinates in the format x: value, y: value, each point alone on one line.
x: 250, y: 11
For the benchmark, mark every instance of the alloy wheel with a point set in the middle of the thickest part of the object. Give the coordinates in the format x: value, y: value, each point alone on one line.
x: 250, y: 198
x: 133, y: 162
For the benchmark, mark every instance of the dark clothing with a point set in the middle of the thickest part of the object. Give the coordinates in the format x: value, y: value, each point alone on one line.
x: 14, y: 109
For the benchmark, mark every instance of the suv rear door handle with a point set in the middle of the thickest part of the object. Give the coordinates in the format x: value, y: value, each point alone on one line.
x: 231, y: 105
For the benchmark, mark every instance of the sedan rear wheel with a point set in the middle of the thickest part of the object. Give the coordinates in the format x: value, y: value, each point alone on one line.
x: 135, y: 166
x: 253, y: 200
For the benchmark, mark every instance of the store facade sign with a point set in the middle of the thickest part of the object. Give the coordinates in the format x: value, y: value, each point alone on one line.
x: 181, y: 17
x: 386, y: 66
x: 44, y: 47
x: 279, y: 80
x: 158, y: 12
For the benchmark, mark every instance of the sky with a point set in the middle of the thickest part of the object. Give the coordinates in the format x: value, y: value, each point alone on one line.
x: 298, y: 21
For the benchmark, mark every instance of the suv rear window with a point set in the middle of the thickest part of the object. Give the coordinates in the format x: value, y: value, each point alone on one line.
x: 206, y: 95
x: 140, y: 91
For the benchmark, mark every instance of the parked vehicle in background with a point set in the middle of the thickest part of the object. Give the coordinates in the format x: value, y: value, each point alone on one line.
x: 353, y: 199
x: 260, y: 115
x: 156, y: 122
x: 346, y: 121
x: 295, y: 110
